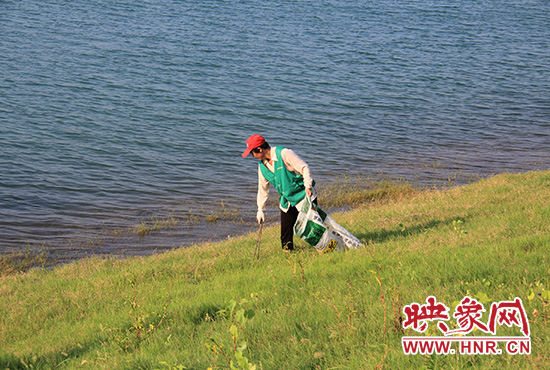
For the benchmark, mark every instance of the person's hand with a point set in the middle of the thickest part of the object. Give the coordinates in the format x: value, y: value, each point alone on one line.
x: 309, y: 192
x: 260, y: 216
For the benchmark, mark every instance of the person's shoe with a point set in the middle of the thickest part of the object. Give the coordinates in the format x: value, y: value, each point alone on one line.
x: 288, y: 247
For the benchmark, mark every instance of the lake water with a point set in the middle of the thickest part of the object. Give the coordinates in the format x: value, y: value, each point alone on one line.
x: 117, y: 113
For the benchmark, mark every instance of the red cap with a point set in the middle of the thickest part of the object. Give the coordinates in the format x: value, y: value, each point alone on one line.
x: 253, y: 142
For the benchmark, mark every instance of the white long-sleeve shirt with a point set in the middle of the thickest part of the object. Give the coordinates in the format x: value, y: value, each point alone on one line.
x: 292, y: 163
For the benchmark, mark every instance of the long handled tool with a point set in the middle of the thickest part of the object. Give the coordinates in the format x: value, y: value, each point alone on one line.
x: 257, y: 251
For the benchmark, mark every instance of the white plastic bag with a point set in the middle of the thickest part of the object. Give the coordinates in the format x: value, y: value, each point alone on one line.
x: 349, y: 239
x: 320, y: 230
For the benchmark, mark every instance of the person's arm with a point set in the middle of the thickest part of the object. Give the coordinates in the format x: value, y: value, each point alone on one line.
x: 263, y: 195
x: 294, y: 163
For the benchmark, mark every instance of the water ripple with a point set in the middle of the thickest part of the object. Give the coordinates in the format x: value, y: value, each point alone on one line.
x: 113, y: 112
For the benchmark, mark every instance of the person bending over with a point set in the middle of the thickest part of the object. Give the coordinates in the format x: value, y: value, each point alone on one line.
x: 290, y: 176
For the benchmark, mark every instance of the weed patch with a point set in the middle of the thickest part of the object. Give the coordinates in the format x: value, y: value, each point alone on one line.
x: 143, y: 324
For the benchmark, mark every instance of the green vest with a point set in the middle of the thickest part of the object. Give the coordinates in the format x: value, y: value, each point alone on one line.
x: 289, y: 185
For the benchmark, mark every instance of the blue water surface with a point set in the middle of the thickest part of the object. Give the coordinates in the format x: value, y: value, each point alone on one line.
x: 114, y: 113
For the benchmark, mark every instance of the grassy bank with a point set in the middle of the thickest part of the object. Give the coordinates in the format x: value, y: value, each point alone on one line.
x: 212, y: 305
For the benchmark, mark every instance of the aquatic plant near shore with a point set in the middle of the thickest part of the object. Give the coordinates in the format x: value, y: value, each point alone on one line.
x: 353, y: 191
x: 156, y: 225
x: 22, y: 261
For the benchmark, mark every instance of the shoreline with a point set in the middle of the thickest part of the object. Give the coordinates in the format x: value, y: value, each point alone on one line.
x: 343, y: 195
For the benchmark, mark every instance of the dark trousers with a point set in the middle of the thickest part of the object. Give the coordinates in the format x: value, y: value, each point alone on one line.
x: 288, y: 219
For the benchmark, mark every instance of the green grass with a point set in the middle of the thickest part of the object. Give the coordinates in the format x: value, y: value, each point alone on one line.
x: 489, y: 239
